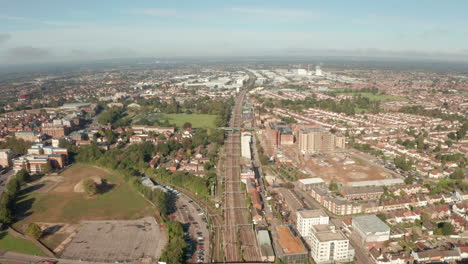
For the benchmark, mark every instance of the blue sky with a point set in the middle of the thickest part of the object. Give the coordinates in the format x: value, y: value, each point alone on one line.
x: 45, y: 31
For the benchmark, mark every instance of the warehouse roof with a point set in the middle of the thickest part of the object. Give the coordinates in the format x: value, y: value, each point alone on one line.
x: 311, y: 181
x: 371, y: 223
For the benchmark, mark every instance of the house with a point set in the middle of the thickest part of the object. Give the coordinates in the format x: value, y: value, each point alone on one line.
x: 406, y: 216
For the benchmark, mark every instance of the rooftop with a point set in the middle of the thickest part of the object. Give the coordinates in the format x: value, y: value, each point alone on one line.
x: 289, y: 243
x: 371, y: 223
x: 311, y: 181
x: 326, y: 233
x: 312, y: 213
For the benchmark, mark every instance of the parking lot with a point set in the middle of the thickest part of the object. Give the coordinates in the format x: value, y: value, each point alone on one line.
x: 195, y: 227
x: 112, y: 241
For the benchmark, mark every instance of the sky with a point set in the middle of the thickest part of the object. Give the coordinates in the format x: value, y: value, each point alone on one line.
x: 62, y: 31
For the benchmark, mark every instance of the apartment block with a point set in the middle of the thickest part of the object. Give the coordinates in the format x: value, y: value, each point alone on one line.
x: 319, y: 140
x: 328, y: 245
x: 308, y: 218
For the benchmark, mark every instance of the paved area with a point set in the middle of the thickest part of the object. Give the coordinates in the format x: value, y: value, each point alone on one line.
x: 190, y: 214
x: 111, y: 241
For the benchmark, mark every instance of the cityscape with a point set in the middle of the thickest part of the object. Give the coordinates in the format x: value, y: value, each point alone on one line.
x: 228, y: 153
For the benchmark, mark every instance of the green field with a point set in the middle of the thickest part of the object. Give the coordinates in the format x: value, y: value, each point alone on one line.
x: 11, y: 243
x: 62, y: 205
x: 197, y: 120
x: 380, y: 97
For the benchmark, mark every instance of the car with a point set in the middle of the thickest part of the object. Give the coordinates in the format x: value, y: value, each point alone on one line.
x: 195, y: 223
x: 200, y: 247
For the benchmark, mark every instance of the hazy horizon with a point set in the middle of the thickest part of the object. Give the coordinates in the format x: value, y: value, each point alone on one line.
x: 55, y: 31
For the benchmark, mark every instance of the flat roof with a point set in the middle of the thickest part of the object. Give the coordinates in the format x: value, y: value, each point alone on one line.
x: 371, y: 223
x: 312, y: 180
x: 312, y: 213
x: 289, y: 243
x: 324, y: 233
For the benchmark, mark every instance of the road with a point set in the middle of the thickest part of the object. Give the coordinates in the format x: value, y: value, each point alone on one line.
x: 190, y: 213
x: 4, y: 179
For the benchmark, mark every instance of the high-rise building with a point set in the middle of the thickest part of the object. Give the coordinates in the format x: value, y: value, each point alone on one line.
x: 307, y: 218
x: 319, y: 140
x: 328, y: 245
x: 5, y: 158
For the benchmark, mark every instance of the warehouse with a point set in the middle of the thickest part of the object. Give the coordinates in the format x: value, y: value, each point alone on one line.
x: 309, y: 183
x: 371, y: 229
x: 246, y: 140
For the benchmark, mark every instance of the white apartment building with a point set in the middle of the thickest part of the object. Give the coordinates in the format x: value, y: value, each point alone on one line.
x: 328, y: 245
x: 308, y: 218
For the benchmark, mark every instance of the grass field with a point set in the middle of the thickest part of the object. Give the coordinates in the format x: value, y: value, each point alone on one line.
x: 380, y: 97
x: 63, y: 205
x: 197, y: 120
x: 11, y: 243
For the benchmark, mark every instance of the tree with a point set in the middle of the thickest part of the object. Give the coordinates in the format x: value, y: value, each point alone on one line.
x: 90, y: 187
x: 23, y: 176
x: 457, y: 175
x: 13, y: 186
x: 409, y: 180
x: 110, y: 136
x: 333, y: 186
x: 187, y: 125
x: 447, y: 229
x: 5, y: 215
x: 452, y: 136
x: 34, y: 231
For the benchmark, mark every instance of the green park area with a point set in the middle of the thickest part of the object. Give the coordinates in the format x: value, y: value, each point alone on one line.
x: 377, y: 97
x: 11, y: 243
x: 49, y: 202
x: 197, y: 120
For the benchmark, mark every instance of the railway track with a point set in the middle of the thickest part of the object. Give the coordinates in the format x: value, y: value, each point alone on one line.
x: 239, y: 239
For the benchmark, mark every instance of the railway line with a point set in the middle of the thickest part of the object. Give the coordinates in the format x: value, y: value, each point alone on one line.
x: 239, y: 239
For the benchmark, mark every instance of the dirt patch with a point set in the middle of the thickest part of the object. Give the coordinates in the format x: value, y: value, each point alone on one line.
x: 341, y: 167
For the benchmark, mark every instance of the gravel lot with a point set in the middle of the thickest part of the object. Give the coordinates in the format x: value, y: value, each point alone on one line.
x: 111, y: 241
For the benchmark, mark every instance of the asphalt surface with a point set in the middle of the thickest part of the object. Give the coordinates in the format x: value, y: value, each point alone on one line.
x: 188, y: 212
